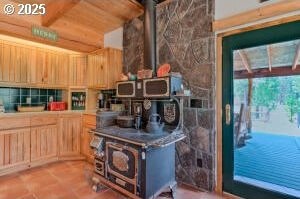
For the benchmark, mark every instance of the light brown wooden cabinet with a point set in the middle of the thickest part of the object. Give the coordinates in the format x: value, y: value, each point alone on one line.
x: 70, y: 127
x: 43, y: 142
x: 78, y: 71
x: 50, y: 68
x: 14, y: 148
x: 104, y: 68
x: 89, y: 123
x: 27, y: 65
x: 39, y: 70
x: 38, y: 139
x: 15, y: 63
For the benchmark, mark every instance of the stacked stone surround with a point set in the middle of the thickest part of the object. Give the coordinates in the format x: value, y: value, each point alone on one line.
x: 186, y: 41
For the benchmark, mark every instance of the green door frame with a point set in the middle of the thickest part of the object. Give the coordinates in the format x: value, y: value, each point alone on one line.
x: 269, y: 35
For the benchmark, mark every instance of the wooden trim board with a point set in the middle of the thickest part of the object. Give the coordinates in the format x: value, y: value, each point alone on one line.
x: 268, y: 11
x: 219, y: 182
x: 260, y: 25
x: 219, y: 38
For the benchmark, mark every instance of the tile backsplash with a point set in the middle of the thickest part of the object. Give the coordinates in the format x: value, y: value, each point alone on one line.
x: 12, y: 97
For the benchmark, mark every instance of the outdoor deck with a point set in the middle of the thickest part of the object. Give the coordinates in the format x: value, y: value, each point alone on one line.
x: 271, y: 161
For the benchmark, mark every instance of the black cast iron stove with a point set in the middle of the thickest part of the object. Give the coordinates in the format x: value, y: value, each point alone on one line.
x: 137, y: 163
x: 141, y: 164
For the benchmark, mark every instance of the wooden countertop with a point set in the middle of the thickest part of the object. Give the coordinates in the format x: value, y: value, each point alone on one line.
x: 28, y: 114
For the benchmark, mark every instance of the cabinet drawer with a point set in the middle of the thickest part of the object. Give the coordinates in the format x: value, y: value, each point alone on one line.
x: 89, y: 120
x: 44, y: 120
x: 14, y: 123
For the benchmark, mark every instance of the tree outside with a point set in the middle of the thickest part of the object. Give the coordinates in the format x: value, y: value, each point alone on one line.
x: 269, y: 93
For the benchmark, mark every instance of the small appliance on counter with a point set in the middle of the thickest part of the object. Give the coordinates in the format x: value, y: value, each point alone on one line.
x: 78, y: 100
x: 57, y: 106
x: 107, y: 101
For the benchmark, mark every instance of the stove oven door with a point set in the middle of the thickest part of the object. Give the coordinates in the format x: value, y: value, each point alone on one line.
x: 122, y: 165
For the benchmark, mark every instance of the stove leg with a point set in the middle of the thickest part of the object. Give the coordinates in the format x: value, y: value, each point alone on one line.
x: 170, y: 191
x: 173, y: 191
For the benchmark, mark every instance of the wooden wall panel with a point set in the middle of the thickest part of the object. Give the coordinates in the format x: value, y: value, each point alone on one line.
x: 78, y: 71
x: 69, y: 137
x: 6, y: 62
x: 2, y: 151
x: 15, y: 147
x: 1, y: 61
x: 37, y: 71
x: 43, y: 142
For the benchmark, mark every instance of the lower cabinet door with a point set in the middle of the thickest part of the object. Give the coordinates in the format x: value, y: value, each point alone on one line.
x: 43, y: 142
x: 14, y: 149
x: 86, y: 138
x: 69, y: 137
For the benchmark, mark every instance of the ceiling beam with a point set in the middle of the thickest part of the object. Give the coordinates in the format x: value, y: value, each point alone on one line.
x: 269, y: 52
x: 131, y: 8
x: 245, y: 60
x: 265, y: 72
x: 55, y: 9
x: 22, y: 29
x: 297, y: 57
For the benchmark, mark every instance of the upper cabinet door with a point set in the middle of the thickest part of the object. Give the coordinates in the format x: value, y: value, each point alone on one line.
x: 97, y: 70
x: 39, y: 71
x: 5, y: 59
x: 77, y: 70
x: 62, y: 70
x: 114, y: 66
x: 104, y: 68
x: 6, y: 62
x: 15, y: 63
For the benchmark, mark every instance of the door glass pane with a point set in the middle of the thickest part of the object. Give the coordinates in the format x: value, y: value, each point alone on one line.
x: 267, y: 116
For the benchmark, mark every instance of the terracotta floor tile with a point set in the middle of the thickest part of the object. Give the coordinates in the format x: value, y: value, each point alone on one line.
x: 33, y: 173
x: 40, y: 182
x: 54, y: 191
x: 10, y: 183
x: 68, y: 180
x: 14, y: 191
x: 56, y: 166
x: 76, y: 183
x: 86, y: 192
x: 110, y: 194
x: 28, y: 196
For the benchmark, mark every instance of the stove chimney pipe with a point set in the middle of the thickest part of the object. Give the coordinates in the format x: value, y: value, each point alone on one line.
x: 150, y: 41
x: 150, y: 35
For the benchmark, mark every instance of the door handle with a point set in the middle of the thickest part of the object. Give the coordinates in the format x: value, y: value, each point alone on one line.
x: 228, y: 114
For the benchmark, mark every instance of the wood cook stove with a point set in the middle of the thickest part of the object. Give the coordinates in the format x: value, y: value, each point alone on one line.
x: 138, y: 164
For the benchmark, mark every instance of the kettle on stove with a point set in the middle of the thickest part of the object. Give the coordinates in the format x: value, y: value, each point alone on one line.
x: 154, y: 126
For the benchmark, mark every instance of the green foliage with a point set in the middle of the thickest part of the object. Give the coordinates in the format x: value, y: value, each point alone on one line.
x: 240, y: 88
x: 269, y: 92
x: 266, y: 92
x: 292, y: 101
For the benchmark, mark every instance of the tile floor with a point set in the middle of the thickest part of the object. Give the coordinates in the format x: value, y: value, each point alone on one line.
x: 66, y: 180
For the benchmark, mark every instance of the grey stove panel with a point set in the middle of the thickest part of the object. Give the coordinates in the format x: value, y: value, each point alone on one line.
x: 139, y: 136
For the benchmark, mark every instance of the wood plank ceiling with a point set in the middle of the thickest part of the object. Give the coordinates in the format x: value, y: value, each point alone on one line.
x: 268, y: 60
x: 80, y: 24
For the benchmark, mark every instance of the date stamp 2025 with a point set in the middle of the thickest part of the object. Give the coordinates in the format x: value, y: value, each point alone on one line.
x: 25, y: 9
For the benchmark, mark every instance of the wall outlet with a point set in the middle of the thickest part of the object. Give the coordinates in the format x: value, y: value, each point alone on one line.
x: 28, y: 100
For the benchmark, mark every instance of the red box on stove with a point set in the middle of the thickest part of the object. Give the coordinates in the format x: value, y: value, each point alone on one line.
x: 57, y: 106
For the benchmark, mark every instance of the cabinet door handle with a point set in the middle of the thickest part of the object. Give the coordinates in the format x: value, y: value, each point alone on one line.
x: 228, y: 114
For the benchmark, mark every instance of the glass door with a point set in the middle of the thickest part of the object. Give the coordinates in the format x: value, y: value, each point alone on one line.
x: 261, y: 103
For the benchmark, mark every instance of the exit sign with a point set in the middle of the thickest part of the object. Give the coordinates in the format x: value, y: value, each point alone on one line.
x: 44, y: 33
